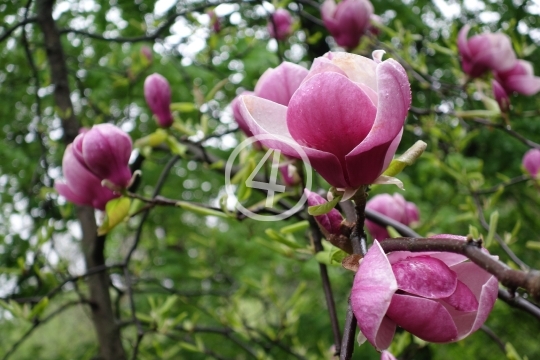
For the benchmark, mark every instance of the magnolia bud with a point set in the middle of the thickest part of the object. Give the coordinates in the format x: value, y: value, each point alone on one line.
x: 99, y: 155
x: 531, y: 162
x: 280, y: 24
x: 157, y: 93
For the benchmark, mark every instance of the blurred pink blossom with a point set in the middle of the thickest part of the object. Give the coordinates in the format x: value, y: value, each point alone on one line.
x: 280, y: 24
x: 395, y: 207
x: 531, y: 162
x: 519, y: 78
x: 484, y: 52
x: 157, y: 93
x: 347, y: 21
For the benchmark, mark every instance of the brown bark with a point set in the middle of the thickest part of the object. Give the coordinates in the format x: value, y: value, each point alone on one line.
x: 107, y: 330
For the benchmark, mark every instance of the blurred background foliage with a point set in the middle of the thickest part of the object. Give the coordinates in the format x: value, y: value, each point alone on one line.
x: 208, y: 287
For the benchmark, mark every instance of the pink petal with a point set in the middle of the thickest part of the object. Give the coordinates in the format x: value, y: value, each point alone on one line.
x: 373, y: 287
x: 330, y: 113
x: 322, y: 64
x: 449, y: 259
x: 531, y: 162
x: 484, y: 286
x: 425, y: 276
x: 523, y: 84
x: 424, y: 318
x: 462, y: 41
x: 235, y: 106
x: 331, y: 221
x: 106, y: 150
x: 462, y: 299
x: 265, y: 117
x: 79, y: 199
x: 358, y: 69
x: 279, y: 84
x: 387, y: 355
x: 394, y: 101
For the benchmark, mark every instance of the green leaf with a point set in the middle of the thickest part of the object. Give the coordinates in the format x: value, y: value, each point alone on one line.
x: 299, y: 226
x: 331, y: 256
x: 183, y: 107
x: 406, y: 159
x: 511, y: 353
x: 39, y: 308
x: 324, y: 208
x: 493, y: 219
x: 533, y: 245
x: 201, y: 210
x: 154, y: 139
x: 285, y: 240
x: 116, y: 211
x: 175, y: 146
x: 216, y: 88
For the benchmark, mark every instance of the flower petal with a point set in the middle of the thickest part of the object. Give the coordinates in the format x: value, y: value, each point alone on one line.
x: 330, y: 113
x: 373, y: 287
x: 425, y: 276
x: 462, y: 299
x: 279, y: 84
x: 523, y: 84
x: 424, y: 318
x: 358, y: 69
x: 394, y: 101
x: 265, y: 117
x: 106, y: 150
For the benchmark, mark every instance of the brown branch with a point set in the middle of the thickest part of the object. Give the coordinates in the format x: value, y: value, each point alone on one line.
x: 512, y: 279
x: 9, y: 31
x: 151, y: 37
x: 107, y: 331
x: 497, y: 237
x: 327, y: 288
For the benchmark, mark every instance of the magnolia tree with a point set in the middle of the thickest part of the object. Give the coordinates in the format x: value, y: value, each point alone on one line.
x: 220, y: 180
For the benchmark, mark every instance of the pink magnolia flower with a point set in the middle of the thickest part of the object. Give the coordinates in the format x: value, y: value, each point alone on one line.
x: 439, y: 297
x: 519, y: 78
x: 101, y: 153
x: 531, y: 162
x: 147, y: 53
x: 485, y: 52
x: 277, y: 85
x: 393, y: 206
x: 330, y: 222
x: 347, y: 21
x: 500, y: 96
x: 280, y: 24
x: 347, y: 116
x: 157, y: 93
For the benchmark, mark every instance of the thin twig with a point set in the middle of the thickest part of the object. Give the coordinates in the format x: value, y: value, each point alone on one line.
x: 327, y: 288
x: 497, y: 237
x: 127, y: 275
x: 358, y: 240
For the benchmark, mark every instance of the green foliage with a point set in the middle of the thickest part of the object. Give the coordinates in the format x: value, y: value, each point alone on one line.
x: 210, y: 283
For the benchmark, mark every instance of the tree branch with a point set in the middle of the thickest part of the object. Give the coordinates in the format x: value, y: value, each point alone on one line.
x: 512, y: 279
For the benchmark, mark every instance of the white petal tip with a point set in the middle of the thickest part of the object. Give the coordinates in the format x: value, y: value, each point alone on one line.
x: 389, y: 180
x: 378, y: 55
